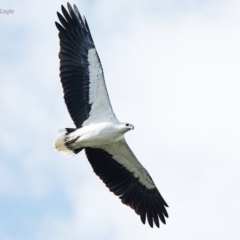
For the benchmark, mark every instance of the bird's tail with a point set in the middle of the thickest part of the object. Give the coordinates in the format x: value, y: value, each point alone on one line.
x: 60, y: 143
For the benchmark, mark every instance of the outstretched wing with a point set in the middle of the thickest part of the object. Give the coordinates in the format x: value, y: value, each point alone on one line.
x: 124, y: 175
x: 81, y: 71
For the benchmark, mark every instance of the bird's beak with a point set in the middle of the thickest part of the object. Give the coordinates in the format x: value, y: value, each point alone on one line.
x: 132, y: 127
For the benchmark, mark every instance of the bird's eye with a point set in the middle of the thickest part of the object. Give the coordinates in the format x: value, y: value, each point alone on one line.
x: 127, y: 124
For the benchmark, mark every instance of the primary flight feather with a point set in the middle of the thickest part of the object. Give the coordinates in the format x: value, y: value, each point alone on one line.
x: 98, y: 131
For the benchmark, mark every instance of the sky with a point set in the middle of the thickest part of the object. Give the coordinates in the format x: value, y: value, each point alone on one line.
x: 172, y: 70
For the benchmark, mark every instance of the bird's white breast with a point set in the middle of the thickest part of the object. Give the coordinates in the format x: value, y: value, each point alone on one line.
x: 98, y: 134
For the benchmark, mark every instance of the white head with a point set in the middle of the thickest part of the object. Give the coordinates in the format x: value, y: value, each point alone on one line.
x: 125, y: 127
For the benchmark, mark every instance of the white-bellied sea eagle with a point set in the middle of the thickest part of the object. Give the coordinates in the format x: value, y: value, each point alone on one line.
x: 98, y: 131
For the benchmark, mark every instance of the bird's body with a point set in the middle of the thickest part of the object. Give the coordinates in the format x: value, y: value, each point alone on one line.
x: 93, y: 135
x: 98, y: 130
x: 99, y: 134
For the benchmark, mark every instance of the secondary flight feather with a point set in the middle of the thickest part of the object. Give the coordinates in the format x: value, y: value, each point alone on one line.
x: 98, y: 131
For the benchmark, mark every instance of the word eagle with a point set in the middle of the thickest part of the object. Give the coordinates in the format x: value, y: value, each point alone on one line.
x: 98, y: 131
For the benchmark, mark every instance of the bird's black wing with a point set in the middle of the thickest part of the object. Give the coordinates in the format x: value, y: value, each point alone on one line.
x: 123, y: 174
x: 81, y: 71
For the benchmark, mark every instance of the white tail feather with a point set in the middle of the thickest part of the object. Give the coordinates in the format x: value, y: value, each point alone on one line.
x: 59, y: 144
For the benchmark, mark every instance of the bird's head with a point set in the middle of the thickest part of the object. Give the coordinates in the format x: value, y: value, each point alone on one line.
x: 125, y: 127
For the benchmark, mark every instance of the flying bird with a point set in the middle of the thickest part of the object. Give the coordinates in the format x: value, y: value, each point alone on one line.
x: 98, y: 130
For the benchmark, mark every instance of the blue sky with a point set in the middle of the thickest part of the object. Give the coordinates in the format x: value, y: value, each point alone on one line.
x: 172, y: 70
